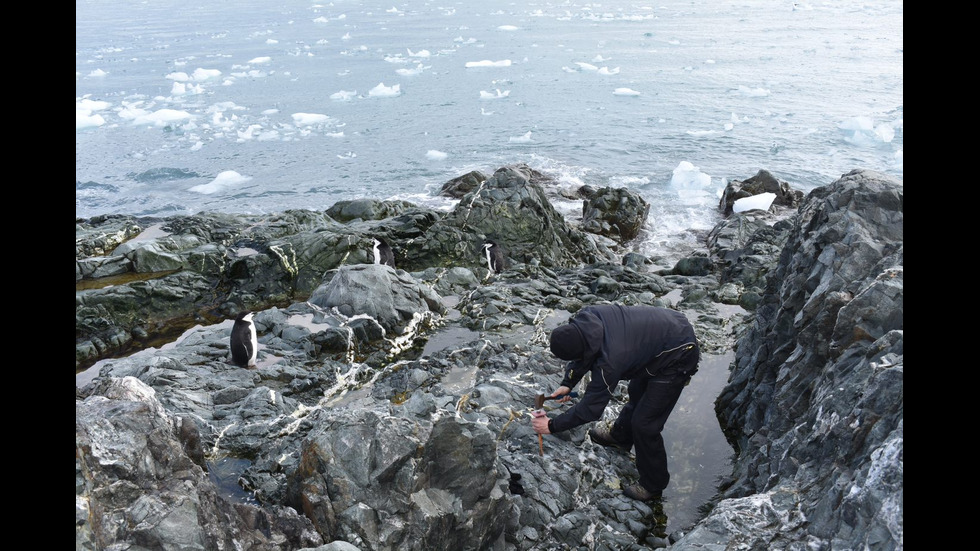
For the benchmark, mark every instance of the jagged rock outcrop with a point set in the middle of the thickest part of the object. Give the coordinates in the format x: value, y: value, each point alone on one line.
x: 136, y: 485
x: 185, y: 270
x: 460, y: 186
x: 353, y: 431
x: 762, y: 182
x: 815, y: 400
x: 514, y: 210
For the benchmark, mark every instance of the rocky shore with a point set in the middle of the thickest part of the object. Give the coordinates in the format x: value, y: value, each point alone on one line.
x: 359, y: 430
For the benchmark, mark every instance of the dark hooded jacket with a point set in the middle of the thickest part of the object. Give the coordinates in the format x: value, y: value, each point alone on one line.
x: 621, y: 343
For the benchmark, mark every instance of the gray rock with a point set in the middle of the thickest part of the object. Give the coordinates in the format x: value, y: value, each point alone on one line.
x: 825, y: 353
x: 367, y: 209
x: 135, y: 485
x: 762, y: 182
x: 391, y: 297
x: 348, y: 432
x: 618, y: 213
x: 460, y: 186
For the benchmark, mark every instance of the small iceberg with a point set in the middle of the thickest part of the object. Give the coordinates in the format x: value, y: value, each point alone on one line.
x: 494, y: 95
x: 223, y: 181
x: 625, y: 92
x: 382, y: 91
x: 761, y: 201
x: 488, y: 63
x: 306, y: 119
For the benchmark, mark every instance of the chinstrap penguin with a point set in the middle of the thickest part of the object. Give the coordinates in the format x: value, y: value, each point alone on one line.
x: 383, y: 253
x: 244, y: 343
x: 494, y: 255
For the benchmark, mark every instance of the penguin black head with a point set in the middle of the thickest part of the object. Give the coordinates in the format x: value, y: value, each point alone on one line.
x: 244, y: 343
x: 383, y: 253
x: 494, y: 256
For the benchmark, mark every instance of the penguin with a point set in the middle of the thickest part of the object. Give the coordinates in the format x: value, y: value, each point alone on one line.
x: 383, y: 253
x: 494, y: 255
x: 244, y: 344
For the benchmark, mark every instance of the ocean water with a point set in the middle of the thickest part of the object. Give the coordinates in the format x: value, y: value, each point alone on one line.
x: 257, y: 107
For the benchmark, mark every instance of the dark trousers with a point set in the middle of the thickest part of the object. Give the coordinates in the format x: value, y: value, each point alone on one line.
x: 642, y: 419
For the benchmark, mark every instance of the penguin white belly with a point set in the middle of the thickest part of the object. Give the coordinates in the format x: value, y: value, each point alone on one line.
x: 253, y: 345
x: 244, y: 341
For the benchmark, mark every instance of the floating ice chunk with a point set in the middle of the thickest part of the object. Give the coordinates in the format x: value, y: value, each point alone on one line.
x: 494, y: 95
x: 86, y: 119
x: 521, y: 139
x: 752, y: 92
x: 411, y: 72
x: 434, y: 155
x: 343, y: 95
x: 420, y: 53
x: 625, y: 92
x: 91, y: 105
x: 861, y: 124
x: 181, y: 89
x: 507, y: 28
x: 201, y: 75
x: 163, y: 117
x: 96, y: 73
x: 488, y: 63
x: 608, y: 71
x: 885, y: 132
x: 761, y: 201
x: 260, y: 60
x: 686, y: 175
x: 178, y: 76
x: 306, y: 119
x: 249, y: 133
x: 225, y: 180
x: 586, y: 66
x: 862, y: 131
x: 382, y: 91
x: 254, y: 73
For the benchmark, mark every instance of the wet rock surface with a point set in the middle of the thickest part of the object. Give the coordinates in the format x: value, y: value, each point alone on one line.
x: 358, y: 430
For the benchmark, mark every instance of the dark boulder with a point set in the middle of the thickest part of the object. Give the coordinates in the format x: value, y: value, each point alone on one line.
x: 762, y: 182
x: 460, y: 186
x: 617, y: 213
